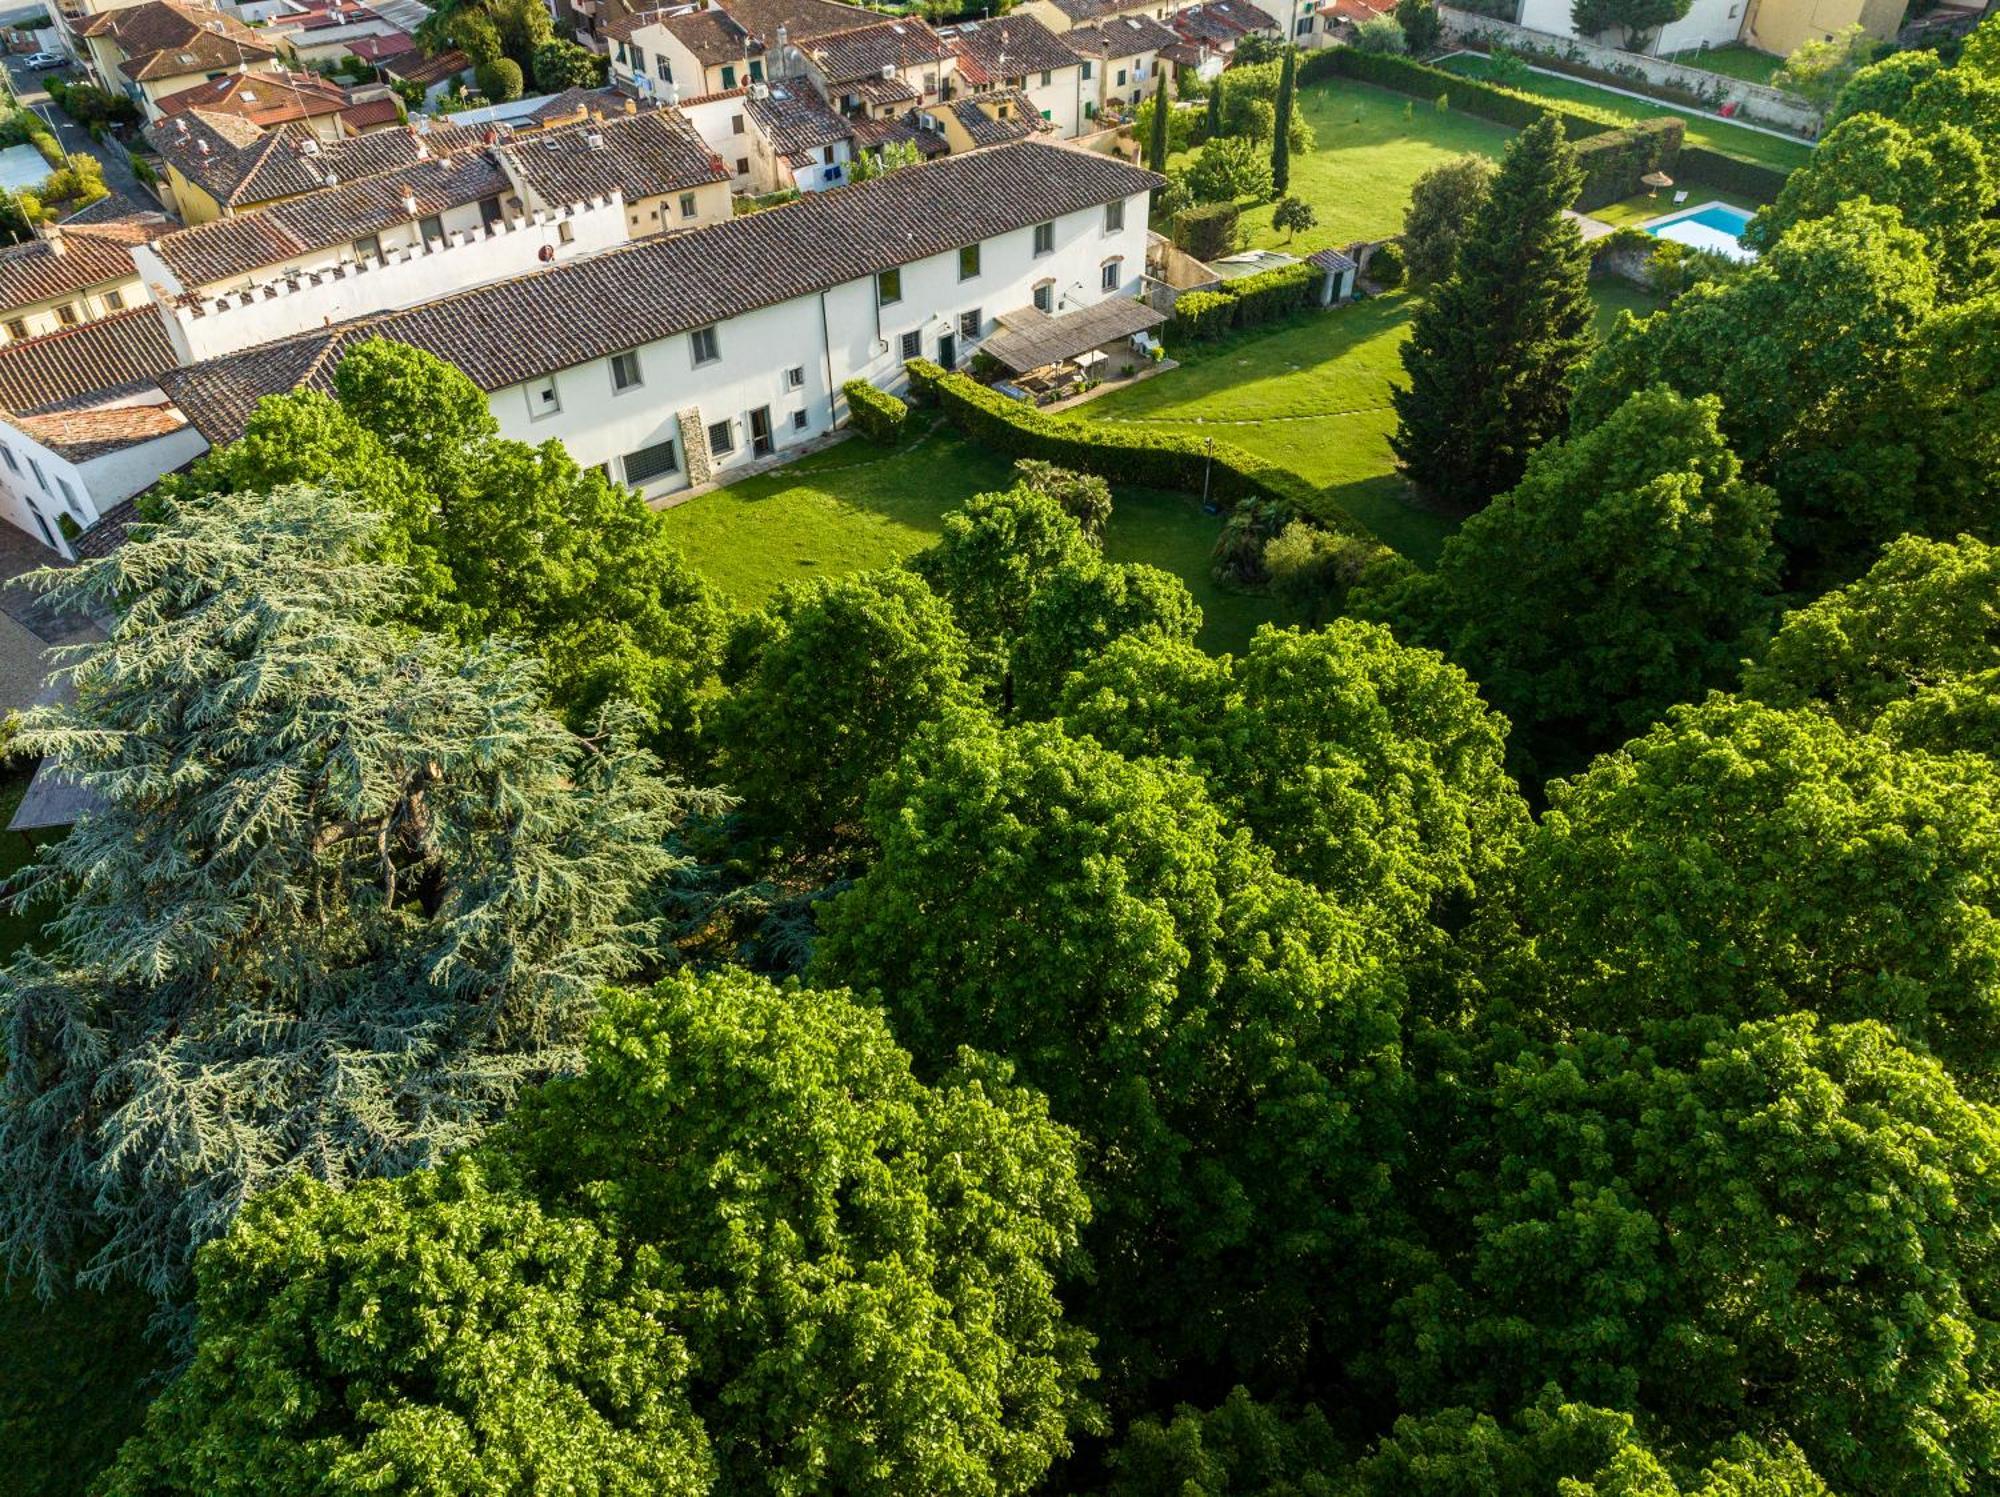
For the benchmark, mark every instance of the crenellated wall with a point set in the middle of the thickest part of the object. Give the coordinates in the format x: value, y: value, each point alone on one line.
x: 292, y: 302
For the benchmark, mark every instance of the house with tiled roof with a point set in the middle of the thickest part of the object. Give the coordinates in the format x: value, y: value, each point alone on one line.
x: 434, y: 75
x: 163, y: 47
x: 72, y: 273
x: 997, y: 117
x: 679, y: 359
x: 285, y: 95
x: 1124, y: 57
x: 796, y: 141
x: 1060, y: 15
x: 324, y: 31
x: 382, y: 47
x: 882, y: 70
x: 1219, y: 24
x: 84, y: 424
x: 1017, y: 53
x: 665, y: 174
x: 691, y: 50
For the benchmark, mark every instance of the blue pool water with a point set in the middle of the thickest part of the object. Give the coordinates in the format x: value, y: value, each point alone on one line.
x: 1713, y: 226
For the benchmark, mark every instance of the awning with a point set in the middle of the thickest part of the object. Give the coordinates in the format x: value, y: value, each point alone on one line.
x: 1031, y: 339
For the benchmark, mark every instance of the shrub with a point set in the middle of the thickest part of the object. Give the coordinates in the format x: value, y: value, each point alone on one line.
x: 1272, y: 294
x: 1181, y: 124
x: 1379, y: 34
x: 1230, y: 167
x: 1613, y: 162
x: 1208, y: 230
x: 1202, y: 314
x: 1385, y: 266
x: 500, y: 79
x: 1727, y: 174
x: 1311, y: 569
x: 876, y: 414
x: 1084, y: 497
x: 1294, y: 214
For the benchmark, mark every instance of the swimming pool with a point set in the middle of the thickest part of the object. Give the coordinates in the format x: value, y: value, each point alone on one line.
x: 1713, y: 226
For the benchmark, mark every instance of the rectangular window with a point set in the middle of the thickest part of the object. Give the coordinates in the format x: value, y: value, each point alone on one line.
x: 1045, y: 295
x: 1045, y: 239
x: 542, y: 398
x: 889, y: 287
x: 756, y: 71
x: 1114, y: 217
x: 430, y: 229
x: 1089, y: 71
x: 638, y: 60
x: 66, y: 316
x: 489, y: 211
x: 706, y: 349
x: 649, y: 463
x: 913, y: 346
x: 36, y: 469
x: 1047, y: 78
x: 114, y: 300
x: 69, y: 496
x: 625, y: 371
x: 1305, y: 26
x: 968, y: 262
x: 968, y: 325
x: 8, y: 454
x: 742, y: 166
x: 795, y: 377
x: 687, y: 205
x: 664, y: 68
x: 736, y: 124
x: 1108, y: 278
x: 728, y: 77
x: 16, y: 328
x: 722, y: 438
x: 1121, y: 77
x: 798, y: 420
x: 566, y: 232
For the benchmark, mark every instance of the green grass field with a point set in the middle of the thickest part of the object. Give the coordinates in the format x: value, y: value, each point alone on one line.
x: 853, y: 507
x: 1735, y: 61
x: 1702, y: 130
x: 1636, y: 210
x: 1370, y: 146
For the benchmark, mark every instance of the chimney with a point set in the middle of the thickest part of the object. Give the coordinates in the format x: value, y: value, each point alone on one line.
x: 410, y: 203
x: 52, y: 235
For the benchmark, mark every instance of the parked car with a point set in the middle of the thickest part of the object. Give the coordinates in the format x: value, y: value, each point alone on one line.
x: 41, y: 62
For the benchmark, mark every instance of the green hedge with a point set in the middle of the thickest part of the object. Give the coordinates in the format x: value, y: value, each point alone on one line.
x: 1748, y: 179
x: 1202, y: 314
x: 1207, y: 230
x: 1156, y: 460
x: 1614, y: 162
x: 1490, y: 101
x: 877, y: 415
x: 1246, y: 302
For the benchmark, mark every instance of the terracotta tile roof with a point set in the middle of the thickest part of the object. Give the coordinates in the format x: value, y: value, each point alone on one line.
x: 262, y: 98
x: 371, y: 114
x: 1120, y: 36
x: 1011, y: 47
x: 982, y: 117
x: 621, y: 29
x: 108, y: 534
x: 72, y: 258
x: 890, y: 132
x: 243, y: 165
x: 381, y: 48
x: 848, y: 56
x: 225, y: 248
x: 605, y: 102
x: 167, y: 38
x: 520, y: 329
x: 803, y: 20
x: 1220, y: 22
x: 83, y: 434
x: 711, y: 35
x: 1331, y: 259
x: 795, y: 122
x: 126, y: 348
x: 1096, y: 10
x: 116, y: 208
x: 741, y: 91
x: 410, y: 67
x: 879, y: 91
x: 639, y: 155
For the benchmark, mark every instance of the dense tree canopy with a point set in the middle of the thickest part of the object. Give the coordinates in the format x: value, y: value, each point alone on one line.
x: 343, y: 889
x: 1623, y: 574
x: 1442, y: 204
x: 1083, y: 608
x: 1216, y: 1031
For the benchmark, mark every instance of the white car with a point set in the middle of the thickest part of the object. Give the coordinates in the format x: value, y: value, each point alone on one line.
x: 41, y: 61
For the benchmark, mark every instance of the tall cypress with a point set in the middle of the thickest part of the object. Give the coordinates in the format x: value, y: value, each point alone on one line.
x: 1492, y: 350
x: 1214, y: 107
x: 1156, y: 153
x: 1281, y: 136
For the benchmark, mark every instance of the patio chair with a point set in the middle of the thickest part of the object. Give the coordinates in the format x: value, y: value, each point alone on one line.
x: 1680, y: 197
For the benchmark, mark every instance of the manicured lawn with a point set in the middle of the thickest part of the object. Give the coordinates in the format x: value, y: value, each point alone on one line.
x: 1615, y: 296
x: 1746, y: 63
x: 1702, y: 130
x: 1370, y: 146
x: 852, y: 507
x: 1636, y: 210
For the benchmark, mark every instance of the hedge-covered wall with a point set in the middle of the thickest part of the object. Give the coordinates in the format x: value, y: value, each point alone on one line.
x: 876, y: 414
x: 1245, y: 302
x: 1207, y: 230
x: 1157, y: 460
x: 1759, y: 183
x: 1614, y: 162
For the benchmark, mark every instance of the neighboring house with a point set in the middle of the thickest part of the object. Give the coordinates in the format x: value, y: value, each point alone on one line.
x: 1123, y: 54
x: 548, y: 111
x: 880, y: 71
x: 1060, y: 15
x: 996, y: 118
x: 163, y: 47
x: 434, y: 75
x: 1782, y: 26
x: 70, y: 274
x: 285, y: 95
x: 677, y: 360
x: 710, y: 48
x: 724, y: 125
x: 218, y: 165
x: 795, y: 140
x: 323, y: 31
x: 1219, y: 25
x: 383, y: 47
x: 654, y: 161
x: 870, y: 136
x: 84, y: 424
x: 1018, y: 53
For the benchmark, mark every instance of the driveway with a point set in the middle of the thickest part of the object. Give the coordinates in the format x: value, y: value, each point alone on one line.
x: 28, y: 87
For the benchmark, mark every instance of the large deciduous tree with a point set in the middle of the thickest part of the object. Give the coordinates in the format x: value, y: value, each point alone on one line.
x: 1492, y: 350
x: 1627, y: 571
x: 1218, y: 1032
x: 1081, y: 610
x: 1442, y: 204
x: 339, y: 893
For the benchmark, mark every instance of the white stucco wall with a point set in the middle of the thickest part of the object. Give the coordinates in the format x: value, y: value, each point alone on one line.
x: 1715, y: 22
x: 830, y: 339
x: 33, y: 479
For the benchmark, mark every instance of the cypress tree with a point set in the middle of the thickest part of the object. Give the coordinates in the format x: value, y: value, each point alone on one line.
x: 1492, y: 351
x: 1214, y: 108
x: 1281, y: 135
x: 1156, y: 153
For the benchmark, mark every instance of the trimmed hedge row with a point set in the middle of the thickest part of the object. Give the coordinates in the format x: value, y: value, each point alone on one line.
x: 1207, y: 230
x: 1152, y: 459
x: 1614, y: 162
x: 1253, y: 299
x: 1490, y: 101
x: 1729, y: 174
x: 877, y: 415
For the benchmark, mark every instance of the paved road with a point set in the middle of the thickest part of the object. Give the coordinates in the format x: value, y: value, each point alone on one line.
x: 29, y: 88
